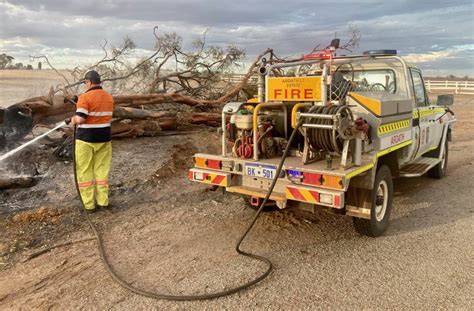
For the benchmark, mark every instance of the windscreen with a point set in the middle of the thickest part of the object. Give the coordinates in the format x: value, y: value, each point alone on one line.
x: 372, y: 80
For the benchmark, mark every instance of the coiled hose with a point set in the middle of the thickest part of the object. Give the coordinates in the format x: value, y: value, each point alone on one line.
x: 121, y: 282
x: 326, y: 139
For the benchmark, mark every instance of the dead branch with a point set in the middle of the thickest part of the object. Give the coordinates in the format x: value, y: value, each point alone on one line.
x: 354, y: 39
x: 193, y: 83
x: 32, y: 57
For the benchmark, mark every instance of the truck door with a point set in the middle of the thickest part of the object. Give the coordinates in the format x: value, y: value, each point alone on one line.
x: 421, y: 115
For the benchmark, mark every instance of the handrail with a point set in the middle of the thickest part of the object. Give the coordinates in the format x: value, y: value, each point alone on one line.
x: 295, y: 110
x: 255, y: 124
x: 458, y: 87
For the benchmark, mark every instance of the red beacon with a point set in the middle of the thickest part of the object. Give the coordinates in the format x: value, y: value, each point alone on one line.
x: 321, y: 54
x: 327, y: 53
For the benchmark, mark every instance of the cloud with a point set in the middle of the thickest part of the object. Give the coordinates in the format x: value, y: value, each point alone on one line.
x: 421, y: 28
x: 457, y: 60
x: 428, y: 57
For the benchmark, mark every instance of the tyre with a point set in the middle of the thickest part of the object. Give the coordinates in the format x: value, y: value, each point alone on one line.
x: 380, y: 205
x: 439, y: 171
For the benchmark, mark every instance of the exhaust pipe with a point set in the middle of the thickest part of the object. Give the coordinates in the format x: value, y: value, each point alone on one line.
x: 263, y: 70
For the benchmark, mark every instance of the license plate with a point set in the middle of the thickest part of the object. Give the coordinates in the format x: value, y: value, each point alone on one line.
x: 263, y: 171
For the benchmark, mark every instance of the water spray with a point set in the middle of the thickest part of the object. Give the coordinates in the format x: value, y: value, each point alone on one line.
x: 12, y: 152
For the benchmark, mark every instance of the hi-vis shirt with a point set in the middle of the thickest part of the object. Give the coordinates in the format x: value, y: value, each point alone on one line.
x: 96, y: 106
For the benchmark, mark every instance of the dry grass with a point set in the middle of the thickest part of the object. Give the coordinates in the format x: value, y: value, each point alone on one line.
x: 17, y: 85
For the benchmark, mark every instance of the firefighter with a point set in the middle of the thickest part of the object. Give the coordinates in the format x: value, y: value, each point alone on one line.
x: 93, y: 147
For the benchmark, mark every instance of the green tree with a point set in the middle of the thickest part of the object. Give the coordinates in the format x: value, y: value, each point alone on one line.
x: 5, y: 60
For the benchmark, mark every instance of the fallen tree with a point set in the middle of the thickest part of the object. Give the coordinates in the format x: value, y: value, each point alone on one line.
x: 192, y: 84
x: 148, y: 92
x: 168, y: 76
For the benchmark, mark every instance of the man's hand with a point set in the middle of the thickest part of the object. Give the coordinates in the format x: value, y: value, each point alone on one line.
x: 75, y: 120
x: 71, y: 100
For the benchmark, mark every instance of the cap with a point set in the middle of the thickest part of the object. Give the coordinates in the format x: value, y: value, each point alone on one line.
x: 92, y: 76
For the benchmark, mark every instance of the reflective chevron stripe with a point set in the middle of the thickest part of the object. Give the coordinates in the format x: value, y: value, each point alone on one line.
x: 392, y: 127
x: 425, y: 112
x: 303, y: 195
x: 207, y: 177
x: 312, y: 196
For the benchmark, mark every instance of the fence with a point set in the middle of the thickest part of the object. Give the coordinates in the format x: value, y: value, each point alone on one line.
x: 236, y: 78
x: 449, y: 86
x: 457, y: 87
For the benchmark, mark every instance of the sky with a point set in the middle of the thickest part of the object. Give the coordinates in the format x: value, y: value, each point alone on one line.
x: 438, y: 36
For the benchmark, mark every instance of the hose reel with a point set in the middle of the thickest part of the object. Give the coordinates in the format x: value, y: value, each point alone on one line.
x: 326, y: 128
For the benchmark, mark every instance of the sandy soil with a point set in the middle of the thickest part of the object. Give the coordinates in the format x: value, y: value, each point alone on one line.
x: 168, y: 235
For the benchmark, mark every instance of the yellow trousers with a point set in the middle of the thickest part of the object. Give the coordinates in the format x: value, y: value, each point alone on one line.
x: 92, y: 170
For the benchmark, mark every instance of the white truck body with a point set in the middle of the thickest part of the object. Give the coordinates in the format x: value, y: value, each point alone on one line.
x: 370, y: 111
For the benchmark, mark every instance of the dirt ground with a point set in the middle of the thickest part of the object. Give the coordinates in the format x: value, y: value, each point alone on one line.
x: 169, y: 235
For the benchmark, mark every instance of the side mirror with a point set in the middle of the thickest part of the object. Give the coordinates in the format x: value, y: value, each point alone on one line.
x: 445, y: 100
x: 335, y: 43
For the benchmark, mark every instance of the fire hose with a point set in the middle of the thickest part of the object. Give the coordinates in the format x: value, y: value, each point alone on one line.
x: 136, y: 290
x: 324, y: 139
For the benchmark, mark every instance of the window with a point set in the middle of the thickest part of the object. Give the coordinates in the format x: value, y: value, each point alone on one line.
x: 419, y: 88
x: 372, y: 80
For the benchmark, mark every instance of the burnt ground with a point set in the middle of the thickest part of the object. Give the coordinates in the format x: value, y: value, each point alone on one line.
x: 169, y: 235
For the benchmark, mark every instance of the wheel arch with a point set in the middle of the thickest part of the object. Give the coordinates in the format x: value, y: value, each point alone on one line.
x: 390, y: 160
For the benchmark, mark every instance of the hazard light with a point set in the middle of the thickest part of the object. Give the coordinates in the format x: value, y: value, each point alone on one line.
x: 207, y: 163
x: 315, y: 196
x: 209, y: 177
x: 332, y: 182
x: 198, y: 176
x: 326, y: 198
x: 324, y: 55
x: 379, y: 52
x: 315, y: 179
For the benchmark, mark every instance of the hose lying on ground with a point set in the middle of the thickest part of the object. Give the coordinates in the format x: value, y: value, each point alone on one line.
x: 121, y: 282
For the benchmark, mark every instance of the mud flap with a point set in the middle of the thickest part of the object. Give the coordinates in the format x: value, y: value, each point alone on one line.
x: 359, y: 203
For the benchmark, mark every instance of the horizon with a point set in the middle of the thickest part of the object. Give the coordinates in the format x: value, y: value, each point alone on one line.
x: 445, y: 77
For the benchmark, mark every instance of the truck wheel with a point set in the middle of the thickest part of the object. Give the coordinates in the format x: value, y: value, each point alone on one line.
x: 439, y: 171
x: 381, y: 205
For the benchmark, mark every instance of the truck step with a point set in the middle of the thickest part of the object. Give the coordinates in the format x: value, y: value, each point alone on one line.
x: 418, y: 167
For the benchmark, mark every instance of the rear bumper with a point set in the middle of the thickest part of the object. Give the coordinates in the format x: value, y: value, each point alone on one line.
x: 209, y: 177
x: 258, y: 187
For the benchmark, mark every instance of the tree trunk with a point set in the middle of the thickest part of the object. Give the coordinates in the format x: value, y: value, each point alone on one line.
x: 210, y: 119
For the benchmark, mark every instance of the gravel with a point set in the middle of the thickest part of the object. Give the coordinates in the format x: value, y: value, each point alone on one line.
x: 171, y: 236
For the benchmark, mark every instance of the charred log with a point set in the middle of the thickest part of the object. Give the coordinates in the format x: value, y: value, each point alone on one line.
x: 18, y: 182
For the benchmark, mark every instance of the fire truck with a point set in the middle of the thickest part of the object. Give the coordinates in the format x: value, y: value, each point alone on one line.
x: 359, y: 122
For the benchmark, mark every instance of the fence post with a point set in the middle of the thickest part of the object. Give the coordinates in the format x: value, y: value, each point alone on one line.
x: 429, y: 85
x: 456, y: 89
